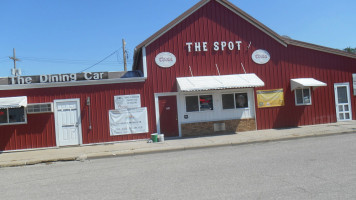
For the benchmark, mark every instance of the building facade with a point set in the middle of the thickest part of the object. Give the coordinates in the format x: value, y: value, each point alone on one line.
x: 212, y: 70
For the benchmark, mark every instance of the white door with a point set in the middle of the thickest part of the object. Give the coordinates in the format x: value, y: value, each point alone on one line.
x: 342, y: 101
x: 67, y: 119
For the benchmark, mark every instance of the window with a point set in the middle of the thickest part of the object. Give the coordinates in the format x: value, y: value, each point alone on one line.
x: 199, y: 103
x: 39, y: 108
x: 235, y: 100
x: 3, y: 115
x: 192, y: 103
x: 228, y: 101
x: 12, y: 116
x: 241, y: 100
x: 302, y: 96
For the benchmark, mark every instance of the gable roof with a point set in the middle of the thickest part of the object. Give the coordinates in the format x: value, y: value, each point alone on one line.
x: 282, y: 40
x: 319, y: 48
x: 200, y: 4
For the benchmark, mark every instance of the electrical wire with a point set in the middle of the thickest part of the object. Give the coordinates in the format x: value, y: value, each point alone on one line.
x: 50, y: 60
x: 2, y: 61
x: 66, y: 62
x: 99, y: 61
x: 74, y: 62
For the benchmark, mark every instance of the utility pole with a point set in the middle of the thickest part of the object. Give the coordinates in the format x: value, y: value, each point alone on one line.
x: 15, y: 71
x: 124, y: 52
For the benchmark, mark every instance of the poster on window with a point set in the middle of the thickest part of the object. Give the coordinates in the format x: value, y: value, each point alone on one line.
x: 128, y: 121
x: 127, y: 101
x: 270, y: 98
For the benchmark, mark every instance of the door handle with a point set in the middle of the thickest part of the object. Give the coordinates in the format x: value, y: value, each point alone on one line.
x: 68, y: 125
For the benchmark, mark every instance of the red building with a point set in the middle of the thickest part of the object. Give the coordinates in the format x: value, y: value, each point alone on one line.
x: 214, y: 69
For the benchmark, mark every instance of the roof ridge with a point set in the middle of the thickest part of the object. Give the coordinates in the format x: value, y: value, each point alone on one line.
x: 325, y: 49
x: 201, y: 3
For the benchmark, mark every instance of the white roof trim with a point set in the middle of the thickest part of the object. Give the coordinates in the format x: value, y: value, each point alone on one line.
x: 175, y: 24
x: 13, y: 102
x: 305, y: 82
x: 72, y: 83
x: 254, y: 23
x: 201, y: 83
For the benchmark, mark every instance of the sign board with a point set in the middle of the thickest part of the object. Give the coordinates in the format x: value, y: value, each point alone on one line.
x: 57, y: 78
x: 128, y: 121
x: 216, y: 46
x: 260, y: 56
x: 354, y: 83
x: 165, y: 59
x: 127, y: 101
x: 270, y: 98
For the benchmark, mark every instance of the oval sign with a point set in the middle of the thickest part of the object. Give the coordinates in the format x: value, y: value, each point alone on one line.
x: 165, y: 59
x: 261, y: 56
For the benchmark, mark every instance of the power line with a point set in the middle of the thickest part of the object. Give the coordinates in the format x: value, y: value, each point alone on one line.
x: 115, y: 61
x: 2, y: 61
x: 99, y: 61
x: 65, y: 62
x: 55, y: 60
x: 108, y: 62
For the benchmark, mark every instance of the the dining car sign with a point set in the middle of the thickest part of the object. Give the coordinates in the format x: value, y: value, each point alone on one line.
x: 54, y: 78
x: 214, y: 69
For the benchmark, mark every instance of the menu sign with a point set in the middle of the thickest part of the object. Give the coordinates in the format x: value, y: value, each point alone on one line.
x: 127, y: 101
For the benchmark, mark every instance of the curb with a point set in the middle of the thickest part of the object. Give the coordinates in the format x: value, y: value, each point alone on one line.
x: 134, y: 152
x: 152, y: 151
x: 34, y: 162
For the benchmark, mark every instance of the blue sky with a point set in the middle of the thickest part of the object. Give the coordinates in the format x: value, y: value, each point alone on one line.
x: 68, y: 36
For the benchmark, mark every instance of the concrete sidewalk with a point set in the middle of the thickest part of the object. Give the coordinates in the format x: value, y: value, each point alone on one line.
x: 10, y: 159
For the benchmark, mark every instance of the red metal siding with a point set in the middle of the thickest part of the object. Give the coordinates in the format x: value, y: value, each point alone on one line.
x: 214, y: 22
x: 40, y: 129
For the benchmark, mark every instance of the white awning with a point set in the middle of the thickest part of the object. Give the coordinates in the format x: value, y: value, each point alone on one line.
x: 305, y: 82
x: 13, y: 102
x: 199, y: 83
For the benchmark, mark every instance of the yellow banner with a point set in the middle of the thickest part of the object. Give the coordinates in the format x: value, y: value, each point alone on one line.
x: 270, y: 98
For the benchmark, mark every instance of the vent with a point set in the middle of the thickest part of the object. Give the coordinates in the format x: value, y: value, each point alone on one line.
x: 39, y: 108
x: 219, y: 127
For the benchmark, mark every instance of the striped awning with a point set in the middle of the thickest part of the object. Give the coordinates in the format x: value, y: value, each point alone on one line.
x: 13, y: 102
x: 200, y: 83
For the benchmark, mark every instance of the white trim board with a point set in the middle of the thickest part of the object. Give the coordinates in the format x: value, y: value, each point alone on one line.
x: 144, y: 60
x: 68, y: 84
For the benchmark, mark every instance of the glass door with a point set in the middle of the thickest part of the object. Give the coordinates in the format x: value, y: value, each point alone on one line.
x: 342, y: 101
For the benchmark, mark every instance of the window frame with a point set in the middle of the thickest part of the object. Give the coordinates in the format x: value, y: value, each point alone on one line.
x: 40, y: 112
x: 234, y: 95
x: 198, y: 95
x: 295, y: 97
x: 14, y: 123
